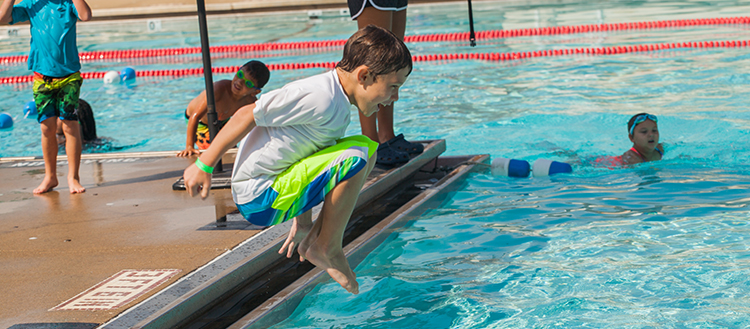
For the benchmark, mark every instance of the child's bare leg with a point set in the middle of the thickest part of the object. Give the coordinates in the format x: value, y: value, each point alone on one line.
x: 73, y: 146
x: 301, y: 227
x: 311, y: 236
x: 324, y: 249
x: 49, y: 150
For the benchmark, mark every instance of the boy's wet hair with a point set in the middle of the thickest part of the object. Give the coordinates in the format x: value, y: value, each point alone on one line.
x: 86, y: 120
x: 259, y: 71
x: 378, y: 49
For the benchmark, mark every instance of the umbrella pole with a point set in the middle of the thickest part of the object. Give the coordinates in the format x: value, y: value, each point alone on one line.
x: 213, y: 118
x: 472, y: 38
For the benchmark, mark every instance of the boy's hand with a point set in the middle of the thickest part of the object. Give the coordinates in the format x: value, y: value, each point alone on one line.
x: 197, y: 181
x: 189, y: 151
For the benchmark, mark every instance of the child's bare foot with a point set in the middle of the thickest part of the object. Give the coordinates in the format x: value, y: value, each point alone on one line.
x: 336, y: 265
x: 75, y: 186
x: 47, y: 185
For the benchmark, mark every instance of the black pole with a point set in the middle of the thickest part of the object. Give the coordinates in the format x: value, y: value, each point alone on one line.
x: 213, y: 119
x: 472, y: 37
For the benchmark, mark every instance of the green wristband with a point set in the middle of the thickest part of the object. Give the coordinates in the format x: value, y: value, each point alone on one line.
x: 204, y: 167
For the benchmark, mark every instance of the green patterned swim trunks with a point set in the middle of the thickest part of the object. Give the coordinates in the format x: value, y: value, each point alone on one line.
x: 57, y: 97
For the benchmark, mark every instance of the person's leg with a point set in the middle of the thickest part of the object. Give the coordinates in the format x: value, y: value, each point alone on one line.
x: 301, y: 227
x: 381, y: 18
x: 323, y: 245
x: 49, y: 151
x: 385, y: 114
x: 73, y: 146
x: 70, y: 90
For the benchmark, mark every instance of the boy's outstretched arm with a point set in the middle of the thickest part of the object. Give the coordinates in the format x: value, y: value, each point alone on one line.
x: 197, y: 108
x: 83, y: 9
x: 6, y: 11
x: 236, y: 128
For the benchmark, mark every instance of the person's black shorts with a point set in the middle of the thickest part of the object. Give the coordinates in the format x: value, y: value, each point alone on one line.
x: 357, y: 6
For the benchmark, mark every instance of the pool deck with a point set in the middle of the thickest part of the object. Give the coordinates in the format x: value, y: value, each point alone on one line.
x: 58, y: 245
x: 119, y: 9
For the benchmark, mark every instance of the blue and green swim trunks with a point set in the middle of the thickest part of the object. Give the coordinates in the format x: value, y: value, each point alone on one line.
x: 305, y: 184
x: 57, y: 97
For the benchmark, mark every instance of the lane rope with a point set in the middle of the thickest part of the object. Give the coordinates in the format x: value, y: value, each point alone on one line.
x: 614, y: 50
x: 440, y: 37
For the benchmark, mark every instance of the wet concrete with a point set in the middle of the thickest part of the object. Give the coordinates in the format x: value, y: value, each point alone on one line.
x: 56, y: 245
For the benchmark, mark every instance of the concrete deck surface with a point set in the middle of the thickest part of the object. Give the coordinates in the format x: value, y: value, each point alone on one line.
x: 107, y: 9
x: 57, y: 245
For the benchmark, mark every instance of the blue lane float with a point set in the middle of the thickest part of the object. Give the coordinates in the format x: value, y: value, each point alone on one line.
x: 521, y: 168
x: 6, y: 121
x: 510, y: 167
x: 29, y: 110
x: 544, y: 167
x: 127, y: 74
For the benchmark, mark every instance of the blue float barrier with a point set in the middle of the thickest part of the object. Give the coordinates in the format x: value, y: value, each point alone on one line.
x: 544, y: 168
x: 6, y: 121
x: 510, y: 167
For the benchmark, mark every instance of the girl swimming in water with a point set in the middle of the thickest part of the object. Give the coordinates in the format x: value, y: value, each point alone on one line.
x: 644, y: 133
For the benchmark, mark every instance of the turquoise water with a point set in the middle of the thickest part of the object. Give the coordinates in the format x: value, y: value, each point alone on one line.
x: 662, y: 244
x: 650, y: 247
x: 522, y: 103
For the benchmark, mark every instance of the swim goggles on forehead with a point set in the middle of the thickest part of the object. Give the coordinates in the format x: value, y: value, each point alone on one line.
x: 641, y: 118
x: 248, y: 82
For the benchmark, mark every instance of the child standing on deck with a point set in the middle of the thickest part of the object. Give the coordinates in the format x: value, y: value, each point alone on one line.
x: 229, y: 95
x: 292, y: 155
x: 57, y: 80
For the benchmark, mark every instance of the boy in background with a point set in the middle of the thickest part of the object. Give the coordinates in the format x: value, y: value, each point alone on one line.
x: 229, y: 96
x: 57, y: 79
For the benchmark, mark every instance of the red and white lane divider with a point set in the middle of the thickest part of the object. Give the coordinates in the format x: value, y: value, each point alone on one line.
x: 614, y: 50
x: 441, y: 37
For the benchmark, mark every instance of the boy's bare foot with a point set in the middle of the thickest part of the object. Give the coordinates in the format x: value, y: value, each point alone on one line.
x: 47, y: 185
x: 75, y: 186
x: 336, y: 265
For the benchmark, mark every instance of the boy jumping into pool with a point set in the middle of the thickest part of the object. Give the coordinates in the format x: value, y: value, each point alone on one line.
x: 292, y: 155
x: 57, y: 80
x: 229, y: 95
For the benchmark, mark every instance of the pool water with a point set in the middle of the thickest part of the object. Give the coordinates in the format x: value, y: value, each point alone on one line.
x: 651, y: 247
x: 526, y: 101
x: 661, y: 244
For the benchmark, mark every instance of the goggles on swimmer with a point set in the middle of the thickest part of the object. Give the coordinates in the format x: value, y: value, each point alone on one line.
x: 641, y: 118
x: 249, y: 83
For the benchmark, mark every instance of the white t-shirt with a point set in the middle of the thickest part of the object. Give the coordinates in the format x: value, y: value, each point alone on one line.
x: 293, y: 122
